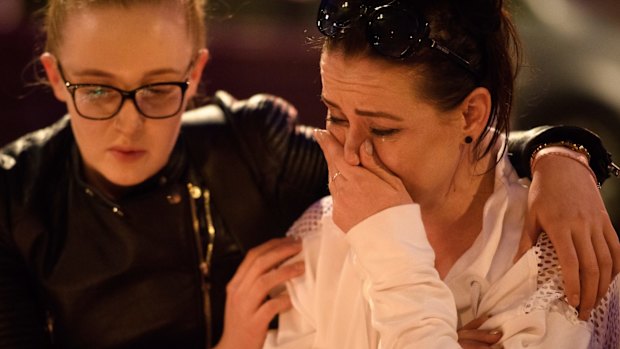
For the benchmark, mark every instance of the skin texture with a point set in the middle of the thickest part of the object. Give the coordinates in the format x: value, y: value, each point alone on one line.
x: 107, y: 45
x: 376, y: 114
x: 577, y: 223
x: 587, y: 243
x: 247, y: 312
x: 383, y: 141
x: 130, y: 47
x: 369, y: 134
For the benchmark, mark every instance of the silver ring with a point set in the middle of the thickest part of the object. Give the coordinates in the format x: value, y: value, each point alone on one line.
x: 335, y: 176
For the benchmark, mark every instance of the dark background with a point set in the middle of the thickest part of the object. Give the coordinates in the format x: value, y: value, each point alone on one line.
x: 572, y: 74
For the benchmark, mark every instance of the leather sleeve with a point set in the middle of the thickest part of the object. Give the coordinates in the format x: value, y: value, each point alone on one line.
x: 522, y: 144
x: 283, y: 154
x: 286, y: 156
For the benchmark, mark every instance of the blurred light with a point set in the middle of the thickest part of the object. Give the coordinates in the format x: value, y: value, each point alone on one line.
x: 11, y: 14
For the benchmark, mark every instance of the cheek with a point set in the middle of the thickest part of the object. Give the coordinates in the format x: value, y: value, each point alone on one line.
x: 391, y: 156
x: 163, y: 136
x: 90, y: 138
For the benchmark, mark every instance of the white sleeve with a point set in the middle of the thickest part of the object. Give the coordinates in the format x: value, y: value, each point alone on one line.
x: 411, y: 306
x: 296, y: 327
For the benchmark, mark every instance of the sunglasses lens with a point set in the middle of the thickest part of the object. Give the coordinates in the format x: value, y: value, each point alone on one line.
x: 393, y: 32
x: 335, y: 16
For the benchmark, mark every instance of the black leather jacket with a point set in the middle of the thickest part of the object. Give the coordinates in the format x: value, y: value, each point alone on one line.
x: 80, y: 271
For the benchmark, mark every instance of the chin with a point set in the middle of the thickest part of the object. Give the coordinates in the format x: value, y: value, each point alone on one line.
x: 126, y: 178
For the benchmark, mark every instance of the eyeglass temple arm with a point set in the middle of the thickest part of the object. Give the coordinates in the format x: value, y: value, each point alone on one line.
x: 456, y: 58
x: 614, y: 169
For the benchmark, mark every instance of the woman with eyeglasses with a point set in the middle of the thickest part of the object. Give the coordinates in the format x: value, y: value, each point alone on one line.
x: 122, y: 224
x: 418, y: 245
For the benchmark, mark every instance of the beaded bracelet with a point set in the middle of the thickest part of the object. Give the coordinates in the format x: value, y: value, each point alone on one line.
x: 580, y: 157
x: 572, y: 146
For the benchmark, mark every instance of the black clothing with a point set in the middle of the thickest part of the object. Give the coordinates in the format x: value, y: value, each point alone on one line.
x: 78, y: 270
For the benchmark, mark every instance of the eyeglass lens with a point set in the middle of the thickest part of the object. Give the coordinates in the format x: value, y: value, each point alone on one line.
x: 394, y: 33
x: 156, y: 101
x: 334, y: 16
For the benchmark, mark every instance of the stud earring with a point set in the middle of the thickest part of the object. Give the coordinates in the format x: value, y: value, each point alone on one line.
x: 468, y: 139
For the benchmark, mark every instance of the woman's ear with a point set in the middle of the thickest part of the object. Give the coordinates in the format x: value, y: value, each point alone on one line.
x: 476, y: 109
x: 53, y: 76
x: 199, y: 65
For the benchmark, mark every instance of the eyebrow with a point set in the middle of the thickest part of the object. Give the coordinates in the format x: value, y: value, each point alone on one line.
x: 366, y: 113
x: 104, y: 74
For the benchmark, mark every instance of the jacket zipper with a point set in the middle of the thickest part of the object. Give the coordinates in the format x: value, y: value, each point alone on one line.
x: 196, y: 194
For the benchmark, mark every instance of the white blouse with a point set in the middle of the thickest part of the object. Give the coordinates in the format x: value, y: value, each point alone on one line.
x: 376, y: 287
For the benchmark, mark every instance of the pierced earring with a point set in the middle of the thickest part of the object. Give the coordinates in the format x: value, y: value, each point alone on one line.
x: 468, y: 139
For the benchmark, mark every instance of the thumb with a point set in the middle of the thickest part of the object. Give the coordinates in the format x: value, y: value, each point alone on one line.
x: 528, y: 235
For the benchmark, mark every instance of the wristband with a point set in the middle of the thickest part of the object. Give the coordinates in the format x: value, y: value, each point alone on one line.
x: 580, y: 157
x: 572, y: 146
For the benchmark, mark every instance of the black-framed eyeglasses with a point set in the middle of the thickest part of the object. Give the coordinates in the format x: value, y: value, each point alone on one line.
x: 101, y: 102
x: 393, y: 29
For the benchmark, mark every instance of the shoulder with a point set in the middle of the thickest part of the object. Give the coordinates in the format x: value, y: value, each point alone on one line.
x: 314, y: 220
x: 259, y: 127
x: 35, y: 156
x: 259, y: 112
x: 35, y: 144
x: 33, y: 166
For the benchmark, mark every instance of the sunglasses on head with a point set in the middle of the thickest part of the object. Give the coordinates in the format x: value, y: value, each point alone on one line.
x: 392, y: 29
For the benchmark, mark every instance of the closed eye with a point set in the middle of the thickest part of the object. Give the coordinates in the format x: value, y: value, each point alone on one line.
x: 379, y: 132
x: 336, y: 120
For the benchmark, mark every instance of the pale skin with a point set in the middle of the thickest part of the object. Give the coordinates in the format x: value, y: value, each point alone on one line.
x: 367, y: 140
x: 368, y: 136
x: 109, y: 45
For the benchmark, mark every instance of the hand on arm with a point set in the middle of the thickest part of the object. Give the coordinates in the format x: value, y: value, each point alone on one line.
x: 564, y: 201
x: 248, y: 311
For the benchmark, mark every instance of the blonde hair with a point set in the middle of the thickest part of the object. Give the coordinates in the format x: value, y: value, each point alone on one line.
x: 57, y: 12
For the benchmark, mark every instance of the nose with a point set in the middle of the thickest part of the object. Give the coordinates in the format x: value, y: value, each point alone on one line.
x: 129, y: 121
x: 353, y: 140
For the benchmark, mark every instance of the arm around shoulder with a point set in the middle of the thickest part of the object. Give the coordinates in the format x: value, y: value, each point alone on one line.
x: 522, y: 144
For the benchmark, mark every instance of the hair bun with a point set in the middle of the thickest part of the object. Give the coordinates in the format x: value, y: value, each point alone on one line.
x: 479, y: 16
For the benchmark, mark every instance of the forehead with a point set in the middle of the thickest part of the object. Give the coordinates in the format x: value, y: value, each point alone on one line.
x: 120, y: 37
x: 368, y: 81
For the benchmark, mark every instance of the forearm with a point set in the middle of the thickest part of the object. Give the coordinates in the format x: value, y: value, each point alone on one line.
x: 411, y: 307
x: 522, y: 144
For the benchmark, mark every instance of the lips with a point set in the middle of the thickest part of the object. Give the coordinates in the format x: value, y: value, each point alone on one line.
x: 127, y: 153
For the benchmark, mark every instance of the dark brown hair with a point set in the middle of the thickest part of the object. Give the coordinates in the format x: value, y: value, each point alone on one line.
x: 481, y: 31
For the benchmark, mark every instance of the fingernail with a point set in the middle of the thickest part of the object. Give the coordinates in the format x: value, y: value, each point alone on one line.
x: 495, y: 333
x: 318, y: 134
x: 356, y: 160
x: 368, y: 147
x: 352, y: 158
x: 574, y: 300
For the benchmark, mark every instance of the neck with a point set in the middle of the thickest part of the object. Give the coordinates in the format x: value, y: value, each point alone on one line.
x: 454, y: 220
x: 105, y: 187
